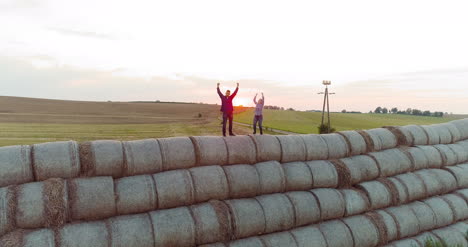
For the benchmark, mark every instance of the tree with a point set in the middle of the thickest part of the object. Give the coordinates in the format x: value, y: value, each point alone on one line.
x: 394, y: 110
x: 378, y: 110
x: 343, y: 111
x: 426, y: 113
x: 409, y: 111
x: 385, y: 110
x: 416, y: 112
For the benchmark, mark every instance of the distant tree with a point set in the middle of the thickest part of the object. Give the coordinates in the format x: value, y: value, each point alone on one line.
x: 385, y: 110
x: 370, y: 112
x: 426, y: 113
x: 394, y: 110
x: 409, y: 111
x: 282, y: 108
x: 416, y: 112
x: 291, y: 109
x: 343, y: 111
x: 378, y: 110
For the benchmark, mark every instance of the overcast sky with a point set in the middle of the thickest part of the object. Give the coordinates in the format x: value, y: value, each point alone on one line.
x: 388, y: 53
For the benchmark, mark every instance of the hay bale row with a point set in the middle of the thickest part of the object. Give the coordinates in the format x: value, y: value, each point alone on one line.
x: 268, y: 147
x: 418, y: 156
x: 381, y: 139
x: 379, y: 192
x: 316, y: 147
x: 416, y: 134
x: 334, y: 228
x: 462, y: 126
x: 361, y: 168
x: 407, y: 223
x: 434, y: 157
x: 7, y: 209
x: 461, y: 151
x: 324, y: 174
x: 449, y: 157
x: 15, y: 165
x: 56, y: 160
x: 463, y: 193
x: 298, y: 176
x: 337, y: 146
x: 442, y: 210
x: 404, y: 138
x: 392, y: 162
x: 460, y: 172
x: 356, y: 202
x: 453, y: 235
x: 331, y: 202
x: 293, y: 148
x: 438, y: 134
x: 363, y: 230
x: 355, y: 141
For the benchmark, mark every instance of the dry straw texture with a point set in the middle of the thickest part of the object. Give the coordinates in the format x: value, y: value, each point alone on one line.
x: 309, y: 236
x: 142, y: 157
x: 15, y: 165
x: 292, y: 148
x: 177, y: 153
x: 268, y: 147
x: 131, y: 230
x: 316, y: 147
x: 174, y: 188
x: 209, y: 182
x: 272, y: 177
x: 337, y: 146
x: 135, y: 194
x: 241, y: 150
x: 243, y: 181
x: 210, y: 150
x: 355, y: 141
x: 56, y: 160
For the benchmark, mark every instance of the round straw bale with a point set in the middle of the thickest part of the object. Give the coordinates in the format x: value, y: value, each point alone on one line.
x: 362, y: 168
x: 419, y: 157
x: 450, y: 158
x: 337, y: 234
x: 331, y: 202
x: 212, y: 222
x: 13, y: 239
x: 142, y: 157
x: 432, y: 134
x: 426, y: 237
x: 460, y: 226
x: 324, y: 174
x: 355, y: 141
x: 463, y: 193
x: 131, y: 230
x: 7, y: 209
x: 209, y: 182
x: 56, y: 160
x: 241, y: 150
x: 431, y: 181
x: 268, y: 147
x: 247, y: 217
x: 247, y: 242
x: 401, y: 190
x: 177, y: 153
x: 279, y: 212
x: 279, y: 239
x: 448, y: 181
x: 392, y: 162
x: 414, y: 185
x: 214, y: 245
x: 173, y: 227
x: 136, y: 194
x: 356, y: 201
x: 174, y: 188
x: 102, y: 158
x: 445, y: 136
x: 433, y: 156
x: 292, y: 148
x: 39, y: 238
x: 420, y: 136
x: 94, y: 234
x: 15, y: 165
x: 337, y: 146
x: 425, y: 215
x: 378, y: 194
x: 458, y: 205
x: 272, y: 177
x: 406, y: 221
x: 454, y: 131
x: 306, y: 207
x: 316, y: 147
x: 451, y: 237
x: 442, y: 210
x: 404, y: 138
x: 462, y: 126
x: 298, y: 176
x: 344, y: 175
x: 406, y: 242
x: 460, y: 151
x: 30, y: 211
x: 461, y: 174
x: 390, y: 230
x: 382, y: 138
x: 309, y: 236
x: 243, y: 181
x: 91, y: 198
x: 365, y: 233
x: 210, y: 150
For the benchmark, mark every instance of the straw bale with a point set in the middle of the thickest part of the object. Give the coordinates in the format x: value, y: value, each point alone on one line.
x: 292, y: 148
x: 419, y: 157
x: 420, y: 136
x: 91, y: 198
x: 344, y: 175
x: 209, y: 182
x: 173, y: 227
x: 243, y: 181
x: 324, y: 174
x: 316, y: 147
x: 405, y: 243
x: 362, y: 168
x: 331, y: 202
x: 460, y: 151
x: 13, y: 239
x: 268, y: 147
x: 214, y: 245
x: 433, y: 155
x: 450, y: 158
x: 355, y: 141
x: 425, y: 215
x: 15, y: 165
x: 406, y: 221
x: 56, y: 160
x: 279, y: 212
x: 94, y: 234
x: 106, y: 158
x: 280, y: 239
x: 363, y: 230
x: 392, y: 162
x: 463, y: 193
x: 30, y: 211
x: 142, y: 157
x: 401, y: 190
x: 298, y: 176
x: 378, y: 194
x: 309, y: 236
x: 450, y: 237
x: 382, y: 138
x: 174, y: 188
x: 404, y: 138
x: 177, y: 153
x: 460, y: 226
x: 445, y: 135
x: 39, y: 238
x: 431, y: 181
x: 131, y: 230
x: 272, y: 177
x: 414, y: 185
x: 356, y: 202
x: 462, y: 126
x: 334, y: 228
x: 385, y: 226
x: 337, y: 146
x: 424, y: 237
x: 447, y: 180
x: 7, y: 209
x: 454, y: 132
x: 458, y: 205
x: 248, y: 242
x: 212, y: 222
x: 306, y: 207
x: 241, y: 150
x: 432, y: 134
x: 210, y: 150
x: 136, y: 194
x: 248, y: 218
x: 442, y: 210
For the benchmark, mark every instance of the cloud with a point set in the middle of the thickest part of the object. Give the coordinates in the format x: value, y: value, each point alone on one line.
x: 86, y: 34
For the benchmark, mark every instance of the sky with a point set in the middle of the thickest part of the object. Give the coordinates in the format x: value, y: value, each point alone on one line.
x: 405, y: 54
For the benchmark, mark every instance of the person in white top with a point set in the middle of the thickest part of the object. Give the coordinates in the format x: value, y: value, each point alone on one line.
x: 258, y: 118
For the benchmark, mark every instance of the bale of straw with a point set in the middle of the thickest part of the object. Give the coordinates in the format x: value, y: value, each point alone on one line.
x: 247, y: 217
x: 445, y: 135
x: 462, y: 126
x: 390, y: 226
x: 174, y: 188
x: 431, y: 182
x: 363, y: 230
x: 91, y: 198
x: 378, y: 194
x: 442, y: 210
x: 454, y: 132
x: 404, y: 138
x: 210, y: 150
x: 414, y: 185
x: 356, y: 201
x: 279, y: 212
x: 362, y: 168
x: 142, y: 157
x: 324, y: 174
x: 173, y: 227
x: 355, y: 141
x: 102, y: 158
x: 272, y: 177
x: 7, y: 209
x: 13, y: 239
x: 306, y: 207
x: 337, y: 146
x: 309, y: 236
x: 332, y: 229
x: 447, y: 180
x: 344, y: 175
x: 419, y: 157
x: 56, y: 160
x: 451, y: 237
x: 136, y: 194
x: 39, y: 238
x: 419, y: 134
x: 461, y: 175
x: 331, y: 202
x: 298, y: 176
x: 30, y: 212
x: 406, y: 221
x: 212, y: 222
x: 15, y: 165
x: 432, y: 134
x: 392, y: 162
x: 463, y: 193
x: 450, y: 158
x: 241, y: 150
x: 460, y: 151
x: 214, y: 245
x: 425, y: 215
x: 209, y: 182
x: 94, y: 234
x: 382, y: 138
x: 423, y: 238
x: 247, y: 242
x: 292, y: 148
x: 406, y: 242
x: 131, y: 230
x: 401, y: 190
x: 316, y: 147
x: 243, y: 181
x: 279, y: 239
x: 460, y: 226
x: 268, y: 147
x: 458, y: 205
x: 433, y: 156
x: 177, y: 153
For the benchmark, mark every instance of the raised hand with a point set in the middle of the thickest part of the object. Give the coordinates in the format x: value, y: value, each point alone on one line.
x: 218, y: 84
x: 238, y: 84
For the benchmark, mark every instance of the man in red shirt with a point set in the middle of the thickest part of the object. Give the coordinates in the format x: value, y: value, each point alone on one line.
x: 227, y: 108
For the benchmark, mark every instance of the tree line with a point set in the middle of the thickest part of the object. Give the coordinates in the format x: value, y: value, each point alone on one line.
x: 409, y: 111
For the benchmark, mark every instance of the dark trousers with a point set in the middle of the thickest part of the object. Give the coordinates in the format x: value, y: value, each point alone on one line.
x: 259, y: 120
x: 226, y: 116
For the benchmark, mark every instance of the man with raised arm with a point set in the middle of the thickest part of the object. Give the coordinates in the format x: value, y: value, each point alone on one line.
x: 227, y: 108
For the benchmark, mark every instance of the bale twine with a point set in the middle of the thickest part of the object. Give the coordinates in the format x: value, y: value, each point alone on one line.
x: 209, y: 182
x: 355, y: 141
x: 174, y: 188
x: 414, y: 185
x: 381, y: 228
x: 451, y: 237
x: 247, y: 242
x: 131, y: 230
x: 316, y: 147
x: 425, y: 215
x: 241, y: 150
x: 292, y: 148
x: 243, y: 181
x: 450, y: 158
x: 177, y: 153
x: 445, y: 135
x: 392, y: 162
x: 391, y: 228
x: 173, y: 227
x: 272, y: 177
x: 406, y: 221
x: 432, y: 134
x: 344, y: 175
x: 7, y: 209
x: 324, y: 174
x: 433, y: 156
x: 94, y: 234
x: 356, y: 202
x: 378, y: 194
x: 332, y: 229
x: 460, y: 151
x: 382, y: 138
x: 212, y: 222
x: 279, y: 212
x: 404, y: 138
x: 361, y: 168
x: 419, y: 157
x: 91, y: 198
x: 15, y: 165
x: 306, y: 207
x: 363, y: 230
x: 39, y: 238
x: 280, y: 239
x: 268, y: 147
x: 442, y: 210
x: 56, y: 160
x: 431, y: 181
x: 298, y: 176
x: 446, y: 179
x: 458, y: 205
x: 419, y: 134
x: 247, y: 217
x: 331, y: 202
x: 402, y: 193
x: 461, y: 175
x: 142, y: 157
x: 337, y: 146
x: 136, y: 194
x: 210, y: 150
x: 309, y: 236
x: 102, y: 158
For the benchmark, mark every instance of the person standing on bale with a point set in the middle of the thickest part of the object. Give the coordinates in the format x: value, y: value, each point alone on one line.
x: 258, y: 117
x: 227, y: 108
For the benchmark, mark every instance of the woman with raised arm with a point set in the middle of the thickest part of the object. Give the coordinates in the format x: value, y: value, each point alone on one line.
x: 258, y: 117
